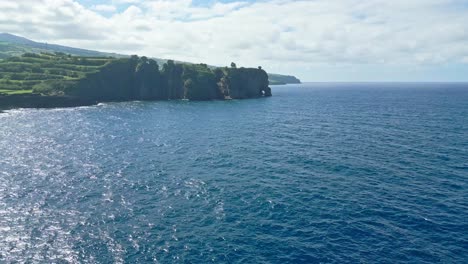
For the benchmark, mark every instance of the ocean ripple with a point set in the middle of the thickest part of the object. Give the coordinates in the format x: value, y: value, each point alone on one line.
x: 319, y: 173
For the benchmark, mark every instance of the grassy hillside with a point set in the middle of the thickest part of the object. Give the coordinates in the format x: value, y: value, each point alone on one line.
x: 8, y: 49
x: 278, y: 79
x: 23, y: 74
x: 11, y: 45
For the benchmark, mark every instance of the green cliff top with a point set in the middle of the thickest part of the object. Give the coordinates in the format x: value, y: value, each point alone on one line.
x: 24, y: 73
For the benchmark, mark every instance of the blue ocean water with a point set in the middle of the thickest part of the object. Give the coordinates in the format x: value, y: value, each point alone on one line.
x: 318, y: 173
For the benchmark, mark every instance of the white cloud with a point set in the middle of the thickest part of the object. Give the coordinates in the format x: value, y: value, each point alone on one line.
x: 104, y: 8
x: 286, y: 36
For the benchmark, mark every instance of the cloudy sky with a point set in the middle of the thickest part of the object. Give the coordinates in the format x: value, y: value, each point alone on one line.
x: 316, y: 40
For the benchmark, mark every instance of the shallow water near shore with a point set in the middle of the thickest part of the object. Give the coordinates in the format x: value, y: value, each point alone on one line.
x: 320, y: 172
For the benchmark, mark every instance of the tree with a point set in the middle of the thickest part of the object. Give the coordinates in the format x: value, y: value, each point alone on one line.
x: 233, y: 65
x: 259, y: 67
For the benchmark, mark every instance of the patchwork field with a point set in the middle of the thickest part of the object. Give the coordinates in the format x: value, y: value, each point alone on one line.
x: 24, y: 74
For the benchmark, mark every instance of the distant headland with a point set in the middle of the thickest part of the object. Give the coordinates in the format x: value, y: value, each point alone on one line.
x: 278, y: 79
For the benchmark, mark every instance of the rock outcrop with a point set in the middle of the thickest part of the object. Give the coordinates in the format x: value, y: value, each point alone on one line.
x: 245, y: 83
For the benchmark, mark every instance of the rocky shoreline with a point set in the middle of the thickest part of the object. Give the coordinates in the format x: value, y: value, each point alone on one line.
x: 8, y: 102
x: 38, y: 101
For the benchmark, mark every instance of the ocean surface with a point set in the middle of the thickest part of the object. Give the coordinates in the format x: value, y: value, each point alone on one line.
x: 318, y: 173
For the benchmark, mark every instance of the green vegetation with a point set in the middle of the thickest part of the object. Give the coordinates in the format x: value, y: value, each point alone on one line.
x: 200, y: 83
x: 36, y: 72
x: 11, y: 92
x: 276, y: 82
x: 11, y: 45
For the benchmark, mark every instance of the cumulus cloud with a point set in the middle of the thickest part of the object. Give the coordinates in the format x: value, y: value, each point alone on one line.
x: 286, y: 36
x: 104, y: 8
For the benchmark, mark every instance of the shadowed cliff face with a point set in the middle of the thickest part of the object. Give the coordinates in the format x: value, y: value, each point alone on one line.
x: 173, y: 85
x: 140, y: 79
x: 246, y: 83
x: 200, y: 83
x: 147, y: 76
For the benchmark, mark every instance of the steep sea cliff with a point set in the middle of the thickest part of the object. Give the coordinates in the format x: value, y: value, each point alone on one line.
x: 60, y: 80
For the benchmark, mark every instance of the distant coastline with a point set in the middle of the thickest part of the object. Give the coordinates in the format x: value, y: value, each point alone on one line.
x: 12, y: 45
x: 278, y: 79
x: 42, y: 75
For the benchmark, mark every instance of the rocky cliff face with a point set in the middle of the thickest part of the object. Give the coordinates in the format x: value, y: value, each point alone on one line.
x: 146, y: 77
x: 200, y: 83
x: 140, y: 79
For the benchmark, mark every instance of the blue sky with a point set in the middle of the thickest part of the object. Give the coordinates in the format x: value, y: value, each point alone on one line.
x: 317, y: 40
x: 121, y: 6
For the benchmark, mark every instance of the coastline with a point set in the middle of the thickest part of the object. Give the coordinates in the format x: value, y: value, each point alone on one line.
x: 8, y: 102
x: 37, y: 101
